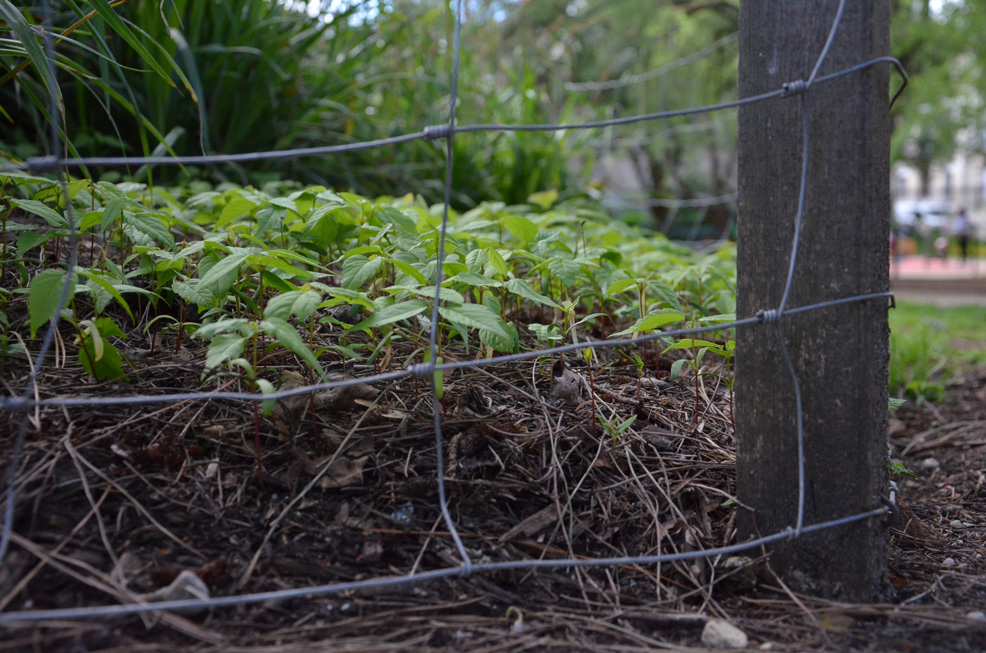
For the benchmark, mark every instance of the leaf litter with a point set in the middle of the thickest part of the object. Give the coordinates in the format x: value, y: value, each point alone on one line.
x: 349, y: 493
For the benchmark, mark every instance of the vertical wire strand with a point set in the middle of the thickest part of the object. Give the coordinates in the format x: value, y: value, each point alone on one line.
x: 436, y: 407
x: 799, y: 219
x: 828, y: 43
x: 56, y: 151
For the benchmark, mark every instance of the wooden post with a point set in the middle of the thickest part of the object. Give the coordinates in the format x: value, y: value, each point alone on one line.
x: 840, y: 353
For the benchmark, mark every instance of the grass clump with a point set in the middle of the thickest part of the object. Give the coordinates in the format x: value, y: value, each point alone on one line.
x: 929, y: 346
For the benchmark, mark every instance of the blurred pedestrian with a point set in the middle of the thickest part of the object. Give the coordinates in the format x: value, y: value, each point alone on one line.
x: 962, y: 230
x: 922, y: 234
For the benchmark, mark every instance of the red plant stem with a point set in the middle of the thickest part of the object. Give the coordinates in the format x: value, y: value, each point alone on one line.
x: 311, y: 411
x: 592, y: 394
x: 256, y: 443
x: 695, y: 355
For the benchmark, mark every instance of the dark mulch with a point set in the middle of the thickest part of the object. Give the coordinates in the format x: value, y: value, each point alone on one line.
x: 116, y: 502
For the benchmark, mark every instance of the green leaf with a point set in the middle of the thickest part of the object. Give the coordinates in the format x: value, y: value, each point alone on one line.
x: 520, y: 287
x: 32, y: 44
x: 193, y: 292
x: 235, y: 208
x: 491, y: 302
x: 112, y: 212
x: 218, y: 280
x: 394, y: 313
x: 474, y: 280
x: 239, y: 324
x: 688, y: 343
x: 267, y: 388
x: 92, y: 332
x: 651, y: 322
x: 99, y: 357
x: 445, y: 294
x: 621, y: 286
x: 224, y: 347
x: 29, y: 240
x: 544, y: 199
x: 665, y: 293
x: 114, y: 21
x: 356, y: 271
x: 438, y: 379
x: 148, y: 230
x: 496, y: 262
x: 363, y: 250
x: 568, y: 271
x: 676, y: 367
x: 44, y: 292
x: 588, y: 317
x: 475, y: 260
x: 42, y: 210
x: 289, y: 338
x: 725, y: 317
x: 894, y: 404
x: 521, y: 227
x: 299, y: 303
x: 103, y: 291
x: 409, y: 270
x: 549, y: 333
x: 491, y: 339
x: 391, y: 215
x: 475, y: 316
x: 344, y: 295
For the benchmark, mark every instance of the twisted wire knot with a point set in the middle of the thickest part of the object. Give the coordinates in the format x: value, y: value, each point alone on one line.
x: 421, y: 370
x: 435, y: 132
x: 797, y: 87
x: 769, y: 315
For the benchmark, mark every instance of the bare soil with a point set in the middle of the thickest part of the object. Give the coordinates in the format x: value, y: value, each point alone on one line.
x: 116, y: 502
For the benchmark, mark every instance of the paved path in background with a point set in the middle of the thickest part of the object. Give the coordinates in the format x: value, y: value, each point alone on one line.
x: 918, y: 267
x: 942, y: 282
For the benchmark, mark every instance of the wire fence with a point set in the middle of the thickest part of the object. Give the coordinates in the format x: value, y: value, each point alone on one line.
x: 28, y: 400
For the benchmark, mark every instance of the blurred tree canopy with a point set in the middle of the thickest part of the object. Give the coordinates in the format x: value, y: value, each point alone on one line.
x: 235, y: 76
x: 941, y: 45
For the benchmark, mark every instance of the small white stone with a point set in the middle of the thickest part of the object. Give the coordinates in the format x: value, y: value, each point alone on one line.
x: 722, y: 634
x: 976, y: 615
x: 956, y: 523
x: 930, y: 463
x: 949, y: 562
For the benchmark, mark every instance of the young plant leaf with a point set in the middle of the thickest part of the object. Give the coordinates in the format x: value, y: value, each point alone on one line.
x: 651, y: 322
x: 475, y: 316
x: 296, y: 302
x: 286, y: 334
x: 521, y: 227
x: 520, y: 287
x: 42, y: 210
x: 494, y: 340
x: 99, y: 357
x: 42, y: 298
x: 224, y: 347
x: 394, y: 313
x: 358, y: 269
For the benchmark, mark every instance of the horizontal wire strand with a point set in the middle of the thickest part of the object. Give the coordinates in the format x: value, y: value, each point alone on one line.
x: 433, y: 133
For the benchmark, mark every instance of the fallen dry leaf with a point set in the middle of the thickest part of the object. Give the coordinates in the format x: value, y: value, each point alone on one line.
x: 531, y: 525
x: 344, y: 472
x: 566, y: 386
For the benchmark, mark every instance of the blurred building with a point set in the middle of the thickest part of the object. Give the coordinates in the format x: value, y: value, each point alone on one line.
x: 961, y: 183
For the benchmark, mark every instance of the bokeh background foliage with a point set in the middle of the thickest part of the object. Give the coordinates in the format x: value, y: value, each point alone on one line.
x: 230, y: 76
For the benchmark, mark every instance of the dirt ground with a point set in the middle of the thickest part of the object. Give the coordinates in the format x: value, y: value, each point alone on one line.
x: 116, y: 502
